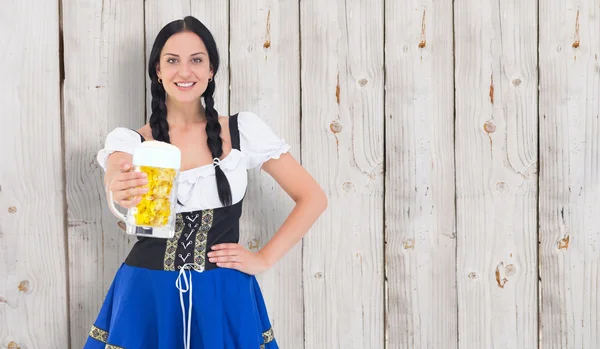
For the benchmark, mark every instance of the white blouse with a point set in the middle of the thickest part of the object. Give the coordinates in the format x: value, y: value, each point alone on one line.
x: 196, y: 187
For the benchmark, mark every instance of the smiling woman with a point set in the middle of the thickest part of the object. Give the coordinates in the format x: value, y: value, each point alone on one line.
x: 198, y: 289
x: 185, y: 53
x: 185, y: 71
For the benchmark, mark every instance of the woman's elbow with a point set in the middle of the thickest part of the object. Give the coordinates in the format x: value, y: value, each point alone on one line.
x: 321, y: 201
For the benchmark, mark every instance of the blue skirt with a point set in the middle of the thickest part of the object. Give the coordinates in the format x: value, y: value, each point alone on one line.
x: 144, y: 309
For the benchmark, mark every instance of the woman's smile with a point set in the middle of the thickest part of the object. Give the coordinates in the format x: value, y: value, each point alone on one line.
x: 185, y: 85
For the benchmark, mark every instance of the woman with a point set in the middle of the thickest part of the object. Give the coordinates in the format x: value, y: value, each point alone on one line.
x: 198, y: 290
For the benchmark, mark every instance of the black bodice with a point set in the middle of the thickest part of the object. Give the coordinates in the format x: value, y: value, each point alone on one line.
x: 195, y: 233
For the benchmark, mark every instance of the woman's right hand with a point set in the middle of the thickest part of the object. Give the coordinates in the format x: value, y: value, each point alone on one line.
x: 127, y: 186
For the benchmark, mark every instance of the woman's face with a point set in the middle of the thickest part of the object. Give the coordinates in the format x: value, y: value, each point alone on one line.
x: 184, y: 67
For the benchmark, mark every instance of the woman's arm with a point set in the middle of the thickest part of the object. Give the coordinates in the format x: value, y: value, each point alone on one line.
x: 310, y: 199
x: 310, y: 204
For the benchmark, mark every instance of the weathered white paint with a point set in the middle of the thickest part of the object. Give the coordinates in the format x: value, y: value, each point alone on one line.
x: 104, y: 57
x: 342, y: 146
x: 569, y: 174
x: 419, y: 213
x: 265, y: 79
x: 33, y: 282
x: 496, y: 173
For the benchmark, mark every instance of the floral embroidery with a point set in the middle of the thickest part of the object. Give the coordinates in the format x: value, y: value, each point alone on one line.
x: 201, y: 238
x: 169, y: 263
x: 268, y: 336
x: 102, y: 336
x: 108, y: 346
x: 99, y: 334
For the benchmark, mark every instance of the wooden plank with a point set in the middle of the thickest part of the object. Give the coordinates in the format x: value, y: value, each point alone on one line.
x: 33, y: 291
x: 569, y: 174
x: 420, y: 238
x: 157, y: 14
x: 343, y: 147
x: 214, y: 14
x: 496, y: 173
x: 103, y: 89
x: 265, y: 63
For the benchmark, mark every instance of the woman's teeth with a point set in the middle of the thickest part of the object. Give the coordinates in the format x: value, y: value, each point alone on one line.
x: 184, y: 84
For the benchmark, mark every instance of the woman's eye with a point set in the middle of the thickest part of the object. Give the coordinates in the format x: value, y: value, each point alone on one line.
x: 171, y: 60
x: 197, y: 60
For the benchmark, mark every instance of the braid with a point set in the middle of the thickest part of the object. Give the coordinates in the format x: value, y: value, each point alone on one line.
x: 215, y: 143
x: 158, y: 119
x: 160, y: 131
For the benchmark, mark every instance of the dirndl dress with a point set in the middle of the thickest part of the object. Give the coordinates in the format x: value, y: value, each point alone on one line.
x: 167, y: 294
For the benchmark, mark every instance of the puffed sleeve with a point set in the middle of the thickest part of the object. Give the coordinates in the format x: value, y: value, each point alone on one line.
x: 119, y: 139
x: 258, y: 141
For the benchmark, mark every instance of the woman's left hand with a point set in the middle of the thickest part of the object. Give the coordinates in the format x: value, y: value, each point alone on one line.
x: 236, y: 256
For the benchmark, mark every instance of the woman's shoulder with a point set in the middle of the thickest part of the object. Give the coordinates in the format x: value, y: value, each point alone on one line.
x: 224, y: 120
x: 252, y: 125
x: 258, y: 140
x: 145, y: 131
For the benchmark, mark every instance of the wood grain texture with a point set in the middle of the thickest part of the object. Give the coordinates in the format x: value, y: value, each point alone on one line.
x: 33, y: 282
x: 569, y: 174
x: 419, y: 202
x: 103, y: 89
x: 342, y: 80
x: 438, y: 251
x: 214, y: 14
x: 496, y: 173
x: 265, y: 79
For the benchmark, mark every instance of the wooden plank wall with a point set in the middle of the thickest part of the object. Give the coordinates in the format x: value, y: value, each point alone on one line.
x: 420, y: 236
x: 458, y: 143
x: 33, y: 283
x: 104, y: 60
x: 496, y: 173
x: 569, y: 112
x: 265, y: 67
x: 342, y: 146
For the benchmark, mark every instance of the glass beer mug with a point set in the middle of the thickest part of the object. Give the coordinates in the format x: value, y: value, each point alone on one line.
x: 154, y: 215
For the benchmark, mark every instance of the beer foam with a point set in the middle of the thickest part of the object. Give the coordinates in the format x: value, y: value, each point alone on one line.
x: 157, y: 154
x: 156, y: 144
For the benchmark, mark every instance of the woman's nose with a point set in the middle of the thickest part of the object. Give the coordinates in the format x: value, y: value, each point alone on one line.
x: 184, y: 70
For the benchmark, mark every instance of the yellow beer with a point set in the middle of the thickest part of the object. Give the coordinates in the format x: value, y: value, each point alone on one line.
x: 155, y: 207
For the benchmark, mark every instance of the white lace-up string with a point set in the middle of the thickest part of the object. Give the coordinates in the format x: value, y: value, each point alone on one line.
x: 183, y: 288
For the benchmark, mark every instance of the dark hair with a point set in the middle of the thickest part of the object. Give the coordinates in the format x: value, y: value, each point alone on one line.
x: 158, y: 119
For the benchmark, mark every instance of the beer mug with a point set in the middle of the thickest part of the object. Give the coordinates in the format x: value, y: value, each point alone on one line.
x: 154, y: 216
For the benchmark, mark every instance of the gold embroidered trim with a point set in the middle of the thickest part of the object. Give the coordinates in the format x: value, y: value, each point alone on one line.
x: 102, y: 336
x: 169, y: 263
x: 268, y: 336
x: 98, y: 334
x: 201, y: 237
x: 108, y: 346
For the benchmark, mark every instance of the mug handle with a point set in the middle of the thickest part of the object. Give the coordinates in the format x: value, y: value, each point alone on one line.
x: 113, y: 209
